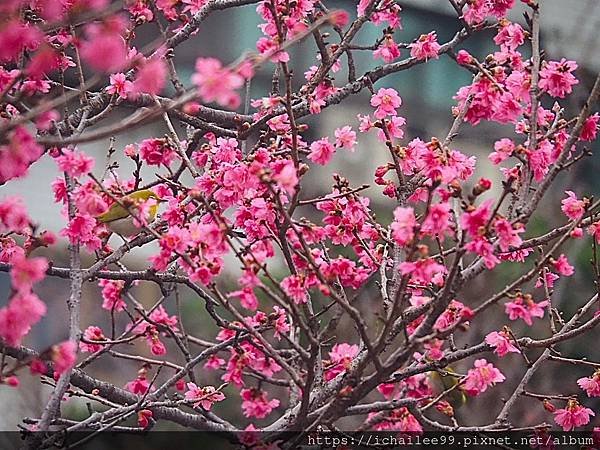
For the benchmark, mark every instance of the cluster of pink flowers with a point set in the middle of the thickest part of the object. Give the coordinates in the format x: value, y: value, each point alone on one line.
x: 217, y: 83
x: 573, y: 415
x: 426, y: 47
x: 24, y: 308
x: 340, y: 357
x: 255, y: 403
x: 203, y: 397
x: 478, y: 10
x: 557, y: 79
x: 525, y: 308
x: 17, y: 154
x: 502, y: 342
x: 591, y: 385
x: 482, y: 376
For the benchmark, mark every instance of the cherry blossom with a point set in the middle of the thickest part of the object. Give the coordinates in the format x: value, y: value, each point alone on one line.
x: 403, y: 227
x: 321, y: 151
x: 92, y: 333
x: 386, y: 100
x: 573, y: 207
x: 502, y: 343
x: 425, y: 47
x: 74, y: 162
x: 573, y: 416
x: 120, y: 85
x: 562, y: 266
x: 203, y: 397
x: 482, y: 376
x: 217, y: 83
x: 345, y: 138
x: 591, y: 385
x: 63, y: 356
x: 557, y: 79
x: 256, y: 404
x: 523, y: 307
x: 340, y: 356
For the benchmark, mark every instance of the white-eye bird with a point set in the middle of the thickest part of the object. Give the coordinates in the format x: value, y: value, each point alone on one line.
x: 118, y: 218
x: 445, y: 380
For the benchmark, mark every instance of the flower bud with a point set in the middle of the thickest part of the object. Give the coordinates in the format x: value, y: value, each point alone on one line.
x: 548, y: 406
x: 482, y: 185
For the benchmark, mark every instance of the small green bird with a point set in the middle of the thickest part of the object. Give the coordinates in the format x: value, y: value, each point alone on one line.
x: 118, y: 218
x: 444, y: 380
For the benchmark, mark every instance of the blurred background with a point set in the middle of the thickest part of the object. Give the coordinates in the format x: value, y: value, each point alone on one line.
x: 568, y: 30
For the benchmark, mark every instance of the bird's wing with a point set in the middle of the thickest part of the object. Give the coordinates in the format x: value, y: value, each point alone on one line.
x: 115, y: 212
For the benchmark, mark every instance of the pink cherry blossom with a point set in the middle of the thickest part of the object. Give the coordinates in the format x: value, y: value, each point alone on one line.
x: 591, y: 385
x: 482, y: 376
x: 92, y: 333
x: 394, y: 126
x: 590, y: 128
x: 285, y: 175
x: 156, y: 152
x: 508, y: 234
x: 474, y: 221
x: 150, y: 77
x: 483, y: 247
x: 345, y: 138
x: 16, y: 319
x: 139, y: 386
x: 386, y: 101
x: 424, y: 271
x: 388, y: 50
x: 523, y: 307
x: 63, y: 356
x: 403, y: 226
x: 144, y: 418
x: 503, y: 149
x: 455, y: 313
x: 321, y: 151
x: 463, y: 57
x: 46, y: 120
x: 594, y: 230
x: 438, y: 221
x: 510, y: 35
x: 572, y: 416
x: 111, y: 295
x: 572, y: 206
x: 74, y: 162
x: 547, y: 280
x: 294, y: 286
x: 13, y: 215
x: 562, y: 266
x: 119, y: 85
x: 399, y: 420
x: 104, y: 49
x: 214, y: 362
x: 255, y: 403
x: 17, y: 36
x: 557, y: 79
x: 193, y: 6
x: 425, y: 47
x: 82, y: 229
x: 18, y: 152
x: 217, y: 83
x: 502, y: 343
x: 340, y: 356
x: 203, y: 397
x: 25, y: 272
